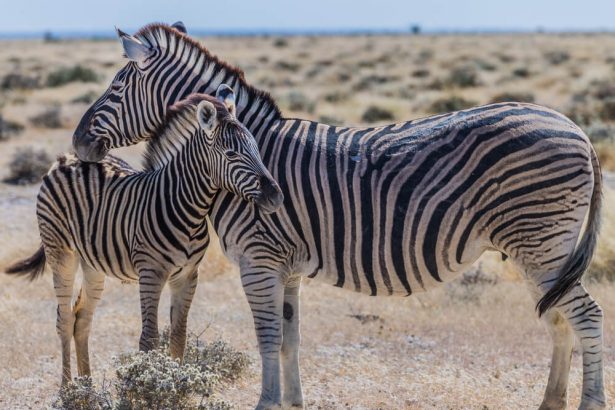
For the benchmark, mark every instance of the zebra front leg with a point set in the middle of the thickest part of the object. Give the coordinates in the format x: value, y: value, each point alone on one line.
x: 64, y: 267
x: 150, y: 288
x: 91, y: 290
x: 292, y: 394
x: 182, y: 292
x: 585, y: 317
x: 265, y: 293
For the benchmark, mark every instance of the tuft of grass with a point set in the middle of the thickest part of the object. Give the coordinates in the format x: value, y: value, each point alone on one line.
x: 16, y: 81
x: 28, y: 166
x: 452, y: 103
x: 65, y: 75
x: 374, y: 113
x: 512, y: 96
x: 9, y: 129
x: 50, y: 118
x: 464, y: 76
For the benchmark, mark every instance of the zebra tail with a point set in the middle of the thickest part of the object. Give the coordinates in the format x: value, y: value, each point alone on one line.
x: 579, y: 261
x: 33, y: 267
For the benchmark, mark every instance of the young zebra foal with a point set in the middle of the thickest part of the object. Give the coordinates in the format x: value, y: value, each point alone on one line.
x: 145, y: 226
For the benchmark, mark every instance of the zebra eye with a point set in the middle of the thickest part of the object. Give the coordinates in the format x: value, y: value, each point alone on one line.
x: 230, y: 154
x: 116, y: 86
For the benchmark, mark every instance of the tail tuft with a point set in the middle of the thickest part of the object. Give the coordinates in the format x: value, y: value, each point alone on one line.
x: 579, y: 261
x: 32, y: 267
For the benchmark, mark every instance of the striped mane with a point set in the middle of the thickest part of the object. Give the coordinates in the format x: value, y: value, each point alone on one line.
x: 162, y: 36
x: 177, y: 129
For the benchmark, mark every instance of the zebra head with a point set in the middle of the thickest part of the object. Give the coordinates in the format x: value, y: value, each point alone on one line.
x: 233, y: 158
x: 133, y: 106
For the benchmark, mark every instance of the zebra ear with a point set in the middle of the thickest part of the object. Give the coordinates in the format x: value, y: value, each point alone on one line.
x: 134, y: 50
x: 206, y: 115
x: 180, y: 26
x: 227, y: 96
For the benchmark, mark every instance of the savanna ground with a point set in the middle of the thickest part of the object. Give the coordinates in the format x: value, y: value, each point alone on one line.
x: 475, y: 343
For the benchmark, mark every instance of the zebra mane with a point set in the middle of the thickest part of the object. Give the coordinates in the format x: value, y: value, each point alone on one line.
x: 164, y: 36
x: 177, y: 129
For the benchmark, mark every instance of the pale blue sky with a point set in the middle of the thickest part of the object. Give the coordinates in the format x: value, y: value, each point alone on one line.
x: 227, y: 15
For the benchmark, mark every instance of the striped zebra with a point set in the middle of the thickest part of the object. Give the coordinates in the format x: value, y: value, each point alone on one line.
x: 148, y: 226
x: 390, y: 210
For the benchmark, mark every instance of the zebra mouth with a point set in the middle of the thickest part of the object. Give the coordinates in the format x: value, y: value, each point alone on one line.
x: 269, y: 203
x: 90, y: 149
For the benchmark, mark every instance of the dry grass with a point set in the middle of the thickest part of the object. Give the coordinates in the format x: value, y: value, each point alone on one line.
x: 473, y: 345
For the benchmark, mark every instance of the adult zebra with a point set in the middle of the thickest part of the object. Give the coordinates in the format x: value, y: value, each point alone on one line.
x: 388, y: 210
x: 148, y: 226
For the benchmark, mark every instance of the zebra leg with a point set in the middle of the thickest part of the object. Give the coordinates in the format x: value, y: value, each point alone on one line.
x: 585, y: 317
x: 91, y: 290
x: 64, y: 267
x: 556, y: 394
x: 265, y: 292
x: 292, y: 395
x: 150, y: 288
x: 182, y: 292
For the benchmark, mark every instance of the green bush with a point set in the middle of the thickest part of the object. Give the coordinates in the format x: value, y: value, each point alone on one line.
x: 65, y: 75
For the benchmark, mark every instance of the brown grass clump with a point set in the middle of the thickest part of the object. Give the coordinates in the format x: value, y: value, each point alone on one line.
x: 374, y: 113
x: 28, y: 166
x: 452, y: 103
x: 511, y: 96
x: 50, y: 118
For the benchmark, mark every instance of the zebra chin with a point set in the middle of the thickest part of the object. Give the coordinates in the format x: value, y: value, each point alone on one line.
x: 269, y: 203
x: 89, y: 149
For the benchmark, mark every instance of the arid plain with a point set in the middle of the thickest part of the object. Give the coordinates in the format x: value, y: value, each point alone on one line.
x: 475, y: 343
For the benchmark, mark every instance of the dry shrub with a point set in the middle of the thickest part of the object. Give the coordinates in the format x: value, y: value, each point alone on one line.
x: 284, y: 65
x: 28, y: 166
x: 607, y: 111
x: 9, y: 129
x: 420, y: 73
x: 16, y: 81
x: 280, y: 42
x: 297, y: 101
x: 464, y: 76
x: 452, y: 103
x: 374, y: 113
x: 65, y: 75
x: 85, y: 98
x: 152, y: 380
x: 521, y: 72
x: 557, y: 57
x: 471, y: 285
x: 330, y: 120
x: 511, y: 96
x: 81, y: 394
x: 50, y: 118
x: 371, y: 80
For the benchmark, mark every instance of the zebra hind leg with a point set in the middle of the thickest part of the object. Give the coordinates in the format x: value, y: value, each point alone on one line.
x: 556, y: 394
x: 182, y: 292
x: 91, y: 291
x: 292, y: 395
x: 265, y: 292
x: 64, y: 266
x: 585, y: 317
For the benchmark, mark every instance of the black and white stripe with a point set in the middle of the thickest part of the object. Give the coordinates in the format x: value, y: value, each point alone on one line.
x: 389, y: 210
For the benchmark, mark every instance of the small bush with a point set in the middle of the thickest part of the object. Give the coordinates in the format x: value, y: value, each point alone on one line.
x: 336, y: 96
x: 607, y: 111
x: 297, y: 101
x: 557, y: 57
x: 287, y: 66
x: 420, y: 73
x: 375, y: 114
x: 330, y: 120
x: 9, y: 129
x: 81, y: 394
x: 521, y: 72
x: 600, y: 132
x: 28, y: 166
x: 280, y: 42
x: 153, y: 380
x: 85, y: 98
x: 464, y: 76
x: 513, y: 97
x: 49, y: 118
x: 16, y: 81
x: 485, y: 65
x: 471, y: 286
x: 67, y: 75
x: 448, y: 104
x: 217, y: 357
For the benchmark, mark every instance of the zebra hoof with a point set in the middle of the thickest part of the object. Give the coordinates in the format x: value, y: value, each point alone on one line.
x: 553, y: 405
x: 267, y: 405
x: 589, y: 404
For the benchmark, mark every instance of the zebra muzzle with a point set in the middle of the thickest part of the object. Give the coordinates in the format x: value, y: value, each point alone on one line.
x: 270, y: 197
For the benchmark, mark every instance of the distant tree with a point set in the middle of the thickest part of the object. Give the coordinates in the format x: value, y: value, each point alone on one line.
x: 415, y: 29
